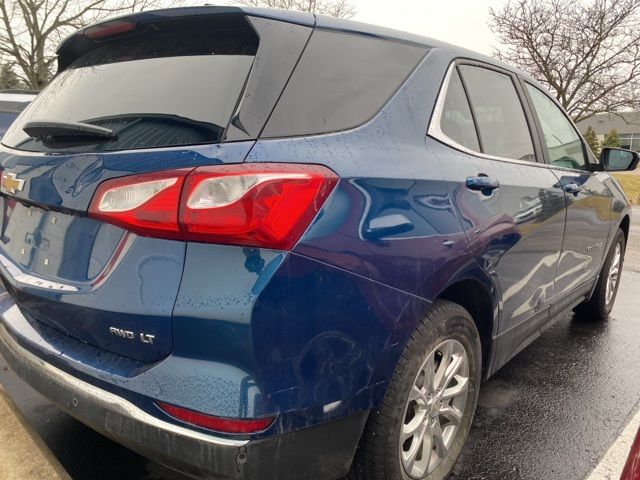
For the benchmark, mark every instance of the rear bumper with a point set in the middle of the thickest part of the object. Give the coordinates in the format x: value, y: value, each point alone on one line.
x: 321, y: 452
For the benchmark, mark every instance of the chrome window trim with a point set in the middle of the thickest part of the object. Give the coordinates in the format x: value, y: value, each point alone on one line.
x: 435, y: 131
x: 569, y: 169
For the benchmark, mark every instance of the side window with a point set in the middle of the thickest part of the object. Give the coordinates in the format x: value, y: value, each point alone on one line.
x: 501, y: 122
x: 456, y: 121
x: 341, y: 81
x: 562, y: 141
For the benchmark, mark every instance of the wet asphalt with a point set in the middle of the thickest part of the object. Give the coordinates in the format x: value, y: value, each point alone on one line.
x: 551, y: 413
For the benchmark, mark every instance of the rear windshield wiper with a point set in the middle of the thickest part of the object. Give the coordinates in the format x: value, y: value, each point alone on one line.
x: 57, y: 129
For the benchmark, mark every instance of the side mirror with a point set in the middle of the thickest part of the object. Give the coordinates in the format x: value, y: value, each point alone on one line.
x: 618, y: 159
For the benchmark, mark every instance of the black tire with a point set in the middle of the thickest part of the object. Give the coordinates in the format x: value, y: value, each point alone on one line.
x: 378, y: 456
x: 597, y: 307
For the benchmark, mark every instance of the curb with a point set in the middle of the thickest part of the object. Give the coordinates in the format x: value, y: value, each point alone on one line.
x: 23, y: 454
x: 613, y: 462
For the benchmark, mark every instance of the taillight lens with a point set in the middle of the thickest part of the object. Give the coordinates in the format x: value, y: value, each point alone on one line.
x: 144, y: 203
x: 109, y: 29
x: 218, y: 424
x: 265, y: 205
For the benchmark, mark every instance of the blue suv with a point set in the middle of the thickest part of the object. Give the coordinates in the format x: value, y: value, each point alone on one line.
x: 254, y: 244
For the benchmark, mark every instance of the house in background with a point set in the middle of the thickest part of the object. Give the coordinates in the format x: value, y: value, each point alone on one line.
x: 627, y: 124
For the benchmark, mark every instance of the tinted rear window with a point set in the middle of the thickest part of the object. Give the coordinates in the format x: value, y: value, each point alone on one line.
x: 176, y: 84
x: 342, y: 81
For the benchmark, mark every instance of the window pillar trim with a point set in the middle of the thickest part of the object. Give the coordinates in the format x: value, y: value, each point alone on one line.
x: 435, y: 131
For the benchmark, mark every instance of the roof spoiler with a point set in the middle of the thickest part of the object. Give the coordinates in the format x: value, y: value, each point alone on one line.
x: 95, y: 35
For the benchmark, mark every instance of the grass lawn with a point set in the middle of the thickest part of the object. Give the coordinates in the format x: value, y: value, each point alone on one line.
x: 631, y: 184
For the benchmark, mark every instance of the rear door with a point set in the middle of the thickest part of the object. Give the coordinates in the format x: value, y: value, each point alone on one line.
x: 587, y: 197
x: 509, y: 202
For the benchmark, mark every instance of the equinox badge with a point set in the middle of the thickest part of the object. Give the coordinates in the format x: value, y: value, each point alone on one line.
x: 12, y: 183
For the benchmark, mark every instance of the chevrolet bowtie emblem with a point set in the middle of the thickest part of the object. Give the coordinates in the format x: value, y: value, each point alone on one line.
x: 12, y: 183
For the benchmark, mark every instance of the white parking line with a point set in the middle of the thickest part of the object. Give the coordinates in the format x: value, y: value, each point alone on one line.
x: 611, y: 465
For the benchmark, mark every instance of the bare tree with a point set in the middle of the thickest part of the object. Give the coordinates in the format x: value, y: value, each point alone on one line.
x: 335, y: 8
x: 30, y: 30
x: 8, y: 79
x: 588, y: 54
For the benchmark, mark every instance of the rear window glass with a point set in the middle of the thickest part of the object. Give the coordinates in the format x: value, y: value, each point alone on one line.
x: 501, y: 122
x: 176, y: 84
x: 342, y: 81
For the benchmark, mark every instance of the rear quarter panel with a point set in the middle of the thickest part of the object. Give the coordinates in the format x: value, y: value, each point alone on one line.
x: 390, y: 222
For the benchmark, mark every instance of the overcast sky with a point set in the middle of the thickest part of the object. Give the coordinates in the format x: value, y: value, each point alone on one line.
x: 463, y: 22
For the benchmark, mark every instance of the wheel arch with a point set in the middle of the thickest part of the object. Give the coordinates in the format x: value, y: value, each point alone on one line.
x: 472, y: 288
x: 478, y: 300
x: 625, y: 224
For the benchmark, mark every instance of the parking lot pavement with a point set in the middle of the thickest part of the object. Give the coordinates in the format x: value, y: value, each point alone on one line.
x: 550, y: 413
x: 84, y: 454
x: 632, y: 258
x: 554, y: 410
x: 16, y: 438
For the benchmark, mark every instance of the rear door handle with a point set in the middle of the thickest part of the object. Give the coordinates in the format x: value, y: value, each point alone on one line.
x: 483, y: 183
x: 572, y: 188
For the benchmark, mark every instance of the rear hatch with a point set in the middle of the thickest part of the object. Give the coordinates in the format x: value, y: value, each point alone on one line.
x: 165, y: 86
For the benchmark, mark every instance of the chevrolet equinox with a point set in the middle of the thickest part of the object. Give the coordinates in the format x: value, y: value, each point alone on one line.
x: 258, y: 244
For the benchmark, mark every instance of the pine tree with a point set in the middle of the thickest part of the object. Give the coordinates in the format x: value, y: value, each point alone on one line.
x: 592, y: 140
x: 612, y: 139
x: 8, y: 79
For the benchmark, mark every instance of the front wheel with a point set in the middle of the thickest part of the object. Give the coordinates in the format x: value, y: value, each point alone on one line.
x: 600, y: 304
x: 420, y: 429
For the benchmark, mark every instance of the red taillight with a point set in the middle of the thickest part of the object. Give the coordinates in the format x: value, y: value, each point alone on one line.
x: 143, y: 203
x: 264, y: 205
x: 219, y: 424
x: 109, y: 29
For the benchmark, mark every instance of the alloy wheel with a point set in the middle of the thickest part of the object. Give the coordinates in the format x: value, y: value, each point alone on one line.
x: 614, y: 274
x: 434, y: 409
